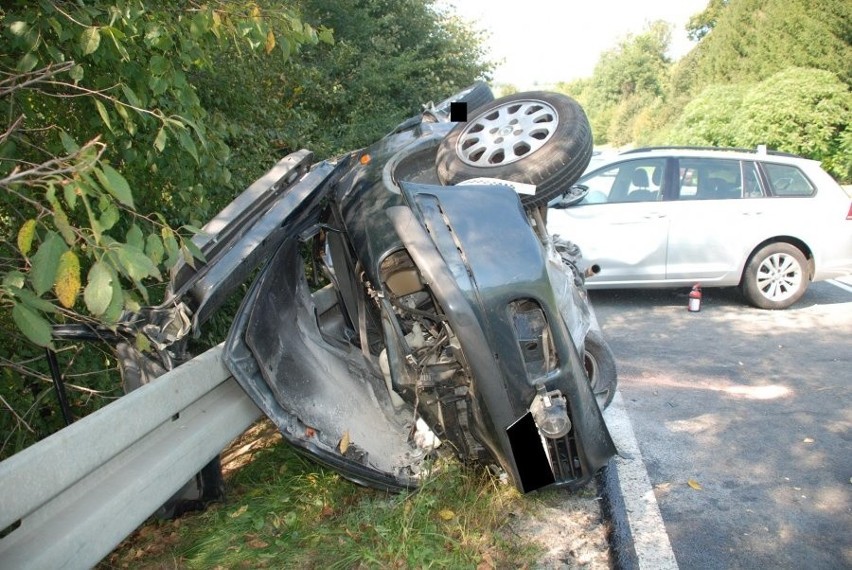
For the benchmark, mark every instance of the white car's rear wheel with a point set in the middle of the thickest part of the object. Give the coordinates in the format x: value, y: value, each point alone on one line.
x: 776, y: 276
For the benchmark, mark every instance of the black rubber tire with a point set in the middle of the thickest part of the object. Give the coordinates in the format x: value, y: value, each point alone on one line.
x: 553, y: 167
x: 797, y: 275
x: 599, y: 363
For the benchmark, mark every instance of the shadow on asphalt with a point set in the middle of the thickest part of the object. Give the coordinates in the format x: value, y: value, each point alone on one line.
x: 751, y: 405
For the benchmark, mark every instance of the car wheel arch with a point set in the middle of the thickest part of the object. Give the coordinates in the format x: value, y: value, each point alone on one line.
x: 795, y: 242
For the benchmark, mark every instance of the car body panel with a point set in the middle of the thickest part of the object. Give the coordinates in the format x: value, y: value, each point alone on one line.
x: 706, y: 240
x: 312, y: 360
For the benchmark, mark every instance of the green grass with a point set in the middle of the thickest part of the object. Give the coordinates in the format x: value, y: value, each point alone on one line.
x: 285, y: 511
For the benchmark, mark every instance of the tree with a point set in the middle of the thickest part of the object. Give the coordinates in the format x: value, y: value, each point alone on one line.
x: 702, y: 23
x: 626, y: 79
x: 753, y: 39
x: 803, y: 111
x: 709, y: 118
x: 130, y: 122
x: 106, y: 148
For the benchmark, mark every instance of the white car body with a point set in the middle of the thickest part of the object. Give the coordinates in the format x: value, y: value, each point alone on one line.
x: 691, y: 219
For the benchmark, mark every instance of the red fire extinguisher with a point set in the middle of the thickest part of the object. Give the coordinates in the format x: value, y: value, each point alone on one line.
x: 695, y: 298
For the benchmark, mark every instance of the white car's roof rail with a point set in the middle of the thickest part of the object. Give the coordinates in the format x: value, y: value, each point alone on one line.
x: 761, y: 149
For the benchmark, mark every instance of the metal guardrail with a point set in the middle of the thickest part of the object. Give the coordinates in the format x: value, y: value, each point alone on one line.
x: 78, y: 493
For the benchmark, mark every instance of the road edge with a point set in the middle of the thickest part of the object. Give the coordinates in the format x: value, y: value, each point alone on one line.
x: 638, y: 537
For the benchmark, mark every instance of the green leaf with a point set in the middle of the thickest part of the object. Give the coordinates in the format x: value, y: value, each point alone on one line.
x: 109, y: 217
x: 158, y: 65
x: 142, y: 343
x: 14, y: 279
x: 135, y: 238
x: 29, y: 298
x: 69, y: 144
x: 90, y: 39
x: 160, y: 141
x: 154, y: 249
x: 45, y: 262
x: 76, y: 73
x: 131, y: 96
x: 27, y: 63
x: 99, y: 291
x: 104, y: 115
x: 194, y: 250
x: 70, y: 191
x: 35, y: 327
x: 187, y: 143
x: 115, y: 184
x: 134, y: 261
x: 116, y: 36
x: 116, y: 303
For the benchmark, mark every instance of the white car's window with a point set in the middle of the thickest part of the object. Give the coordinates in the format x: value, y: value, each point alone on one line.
x: 786, y: 180
x: 750, y: 186
x: 717, y: 179
x: 631, y: 181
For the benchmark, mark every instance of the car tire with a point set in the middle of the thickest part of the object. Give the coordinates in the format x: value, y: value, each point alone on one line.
x: 537, y: 138
x: 599, y: 363
x: 776, y: 276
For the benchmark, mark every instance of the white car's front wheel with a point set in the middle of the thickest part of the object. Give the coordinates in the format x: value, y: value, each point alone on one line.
x: 776, y: 276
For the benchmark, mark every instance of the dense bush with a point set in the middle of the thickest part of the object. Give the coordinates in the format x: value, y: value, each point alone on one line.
x: 129, y: 123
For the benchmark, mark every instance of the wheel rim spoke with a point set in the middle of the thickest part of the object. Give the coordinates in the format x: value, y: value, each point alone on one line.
x: 779, y: 276
x: 508, y: 133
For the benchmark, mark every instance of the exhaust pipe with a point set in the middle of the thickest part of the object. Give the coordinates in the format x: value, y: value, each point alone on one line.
x: 593, y: 269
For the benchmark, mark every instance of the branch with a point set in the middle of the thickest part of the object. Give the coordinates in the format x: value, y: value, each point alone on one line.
x: 14, y: 413
x: 20, y: 81
x: 11, y: 129
x: 54, y: 167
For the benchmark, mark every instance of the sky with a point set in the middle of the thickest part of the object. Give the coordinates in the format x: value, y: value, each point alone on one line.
x: 545, y: 41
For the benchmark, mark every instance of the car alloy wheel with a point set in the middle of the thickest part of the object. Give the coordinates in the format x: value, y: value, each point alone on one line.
x: 775, y: 276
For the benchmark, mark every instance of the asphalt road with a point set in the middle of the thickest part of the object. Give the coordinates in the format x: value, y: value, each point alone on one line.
x: 743, y: 419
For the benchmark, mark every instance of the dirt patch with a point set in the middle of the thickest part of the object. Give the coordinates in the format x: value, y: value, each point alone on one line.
x: 568, y: 527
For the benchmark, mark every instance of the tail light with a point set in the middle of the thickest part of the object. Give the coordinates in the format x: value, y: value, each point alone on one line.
x: 849, y: 213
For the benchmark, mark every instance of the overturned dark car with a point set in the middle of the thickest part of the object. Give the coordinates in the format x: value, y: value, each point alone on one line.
x: 411, y: 302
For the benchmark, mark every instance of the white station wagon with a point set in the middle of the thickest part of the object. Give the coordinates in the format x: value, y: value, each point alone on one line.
x: 767, y: 222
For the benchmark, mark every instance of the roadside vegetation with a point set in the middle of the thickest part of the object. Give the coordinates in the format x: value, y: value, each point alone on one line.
x: 773, y: 72
x: 128, y: 124
x: 284, y: 511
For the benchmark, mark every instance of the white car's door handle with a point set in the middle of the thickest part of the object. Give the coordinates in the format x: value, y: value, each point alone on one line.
x: 654, y: 215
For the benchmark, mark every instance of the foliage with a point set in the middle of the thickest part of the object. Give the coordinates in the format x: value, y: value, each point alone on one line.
x: 700, y: 24
x: 709, y: 118
x: 754, y: 39
x: 387, y: 59
x: 626, y: 80
x: 129, y: 123
x: 285, y: 511
x: 115, y: 75
x: 773, y: 72
x: 802, y: 111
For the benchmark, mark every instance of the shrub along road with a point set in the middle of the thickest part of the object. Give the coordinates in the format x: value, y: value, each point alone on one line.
x: 742, y: 417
